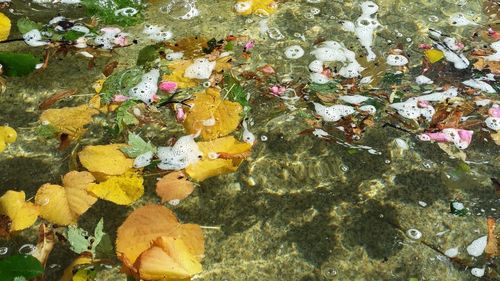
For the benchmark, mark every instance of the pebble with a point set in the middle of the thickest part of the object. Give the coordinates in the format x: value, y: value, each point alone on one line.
x: 476, y: 248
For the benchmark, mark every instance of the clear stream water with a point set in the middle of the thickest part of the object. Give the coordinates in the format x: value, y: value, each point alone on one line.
x: 301, y: 207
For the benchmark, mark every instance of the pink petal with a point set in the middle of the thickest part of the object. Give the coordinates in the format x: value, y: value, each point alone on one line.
x: 121, y: 41
x: 120, y: 98
x: 180, y: 116
x: 465, y: 136
x: 110, y: 30
x: 439, y: 137
x: 249, y: 45
x: 267, y: 69
x: 424, y: 46
x: 168, y: 86
x: 494, y: 111
x: 423, y: 103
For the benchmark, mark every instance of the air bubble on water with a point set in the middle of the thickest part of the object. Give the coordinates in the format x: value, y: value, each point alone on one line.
x: 387, y: 161
x: 427, y: 164
x: 174, y: 202
x: 3, y: 250
x: 344, y: 168
x: 27, y: 249
x: 263, y: 138
x: 433, y: 19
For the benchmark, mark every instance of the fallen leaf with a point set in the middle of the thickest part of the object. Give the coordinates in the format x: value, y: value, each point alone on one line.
x: 492, y: 246
x: 69, y: 120
x: 83, y: 260
x: 7, y: 135
x: 493, y: 66
x: 105, y: 159
x: 46, y: 242
x: 433, y: 55
x: 63, y: 205
x: 5, y: 226
x: 23, y: 214
x: 5, y: 26
x: 174, y: 186
x: 207, y: 167
x: 212, y: 116
x: 177, y: 69
x: 168, y: 259
x: 122, y: 190
x: 256, y: 7
x: 190, y: 46
x: 56, y: 97
x: 146, y: 224
x: 496, y: 137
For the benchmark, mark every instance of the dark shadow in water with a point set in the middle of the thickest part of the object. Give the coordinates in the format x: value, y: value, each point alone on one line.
x: 26, y: 174
x: 371, y: 225
x: 417, y: 186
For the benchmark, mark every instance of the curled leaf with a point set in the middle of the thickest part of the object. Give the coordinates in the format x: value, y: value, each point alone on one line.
x: 212, y: 116
x: 69, y: 120
x: 122, y: 190
x: 174, y: 186
x: 105, y: 159
x: 82, y: 260
x: 22, y: 214
x: 63, y: 205
x: 146, y: 224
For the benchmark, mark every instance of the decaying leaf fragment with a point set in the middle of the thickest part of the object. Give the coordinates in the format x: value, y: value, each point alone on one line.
x: 212, y: 116
x: 46, y: 242
x: 211, y: 166
x: 69, y: 120
x: 22, y: 214
x: 492, y: 246
x: 158, y: 225
x: 63, y: 205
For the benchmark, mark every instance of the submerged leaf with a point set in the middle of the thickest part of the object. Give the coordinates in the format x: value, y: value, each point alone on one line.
x: 25, y: 266
x: 207, y: 167
x: 65, y: 204
x: 18, y: 64
x: 212, y: 116
x: 122, y: 190
x: 69, y: 120
x: 105, y: 159
x: 23, y: 214
x: 137, y: 146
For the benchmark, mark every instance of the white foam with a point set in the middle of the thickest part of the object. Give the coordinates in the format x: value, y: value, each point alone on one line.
x: 34, y: 38
x: 396, y: 60
x: 476, y: 248
x: 496, y: 56
x: 452, y: 252
x: 460, y: 20
x: 156, y: 33
x: 421, y: 79
x: 143, y: 160
x: 480, y: 85
x: 318, y: 78
x: 184, y: 153
x: 316, y: 66
x: 353, y: 99
x: 294, y: 52
x: 147, y: 88
x: 200, y: 69
x: 333, y: 113
x: 493, y: 123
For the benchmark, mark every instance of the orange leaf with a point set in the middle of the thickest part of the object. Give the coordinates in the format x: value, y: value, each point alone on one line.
x: 174, y: 186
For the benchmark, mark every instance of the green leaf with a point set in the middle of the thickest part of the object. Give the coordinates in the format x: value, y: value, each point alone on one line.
x: 137, y: 146
x: 25, y: 266
x: 26, y: 25
x: 120, y: 83
x: 46, y: 131
x: 124, y: 117
x: 148, y: 54
x: 105, y: 10
x: 329, y: 87
x: 235, y: 92
x: 105, y: 248
x: 18, y: 64
x: 80, y: 241
x: 72, y: 35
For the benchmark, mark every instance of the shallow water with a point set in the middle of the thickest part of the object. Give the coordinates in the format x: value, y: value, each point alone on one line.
x: 301, y: 207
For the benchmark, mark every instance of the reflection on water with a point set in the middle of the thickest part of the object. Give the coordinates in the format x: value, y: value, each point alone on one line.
x: 302, y: 207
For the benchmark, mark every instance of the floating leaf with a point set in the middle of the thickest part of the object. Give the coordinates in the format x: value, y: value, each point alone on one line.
x: 119, y: 83
x: 168, y: 258
x: 105, y: 159
x: 82, y: 260
x: 257, y: 7
x: 496, y: 137
x: 25, y: 266
x: 137, y: 146
x: 207, y: 167
x: 174, y: 186
x: 235, y: 92
x: 146, y: 224
x: 122, y: 190
x: 191, y: 47
x: 24, y: 25
x: 123, y: 115
x: 69, y: 120
x: 434, y: 55
x: 46, y: 242
x: 80, y: 241
x: 23, y: 214
x: 65, y: 204
x: 108, y: 11
x: 212, y: 116
x: 177, y: 69
x: 18, y: 64
x: 4, y: 27
x: 7, y: 135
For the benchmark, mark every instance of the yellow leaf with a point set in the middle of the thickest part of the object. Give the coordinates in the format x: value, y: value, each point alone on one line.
x: 4, y: 27
x: 7, y: 135
x: 168, y: 258
x: 496, y: 137
x: 69, y: 120
x: 258, y: 7
x: 121, y: 190
x: 223, y: 64
x: 207, y: 167
x: 174, y: 186
x: 23, y: 214
x: 80, y: 261
x: 64, y: 205
x: 146, y: 224
x: 212, y: 116
x: 434, y: 55
x: 177, y: 69
x: 105, y: 159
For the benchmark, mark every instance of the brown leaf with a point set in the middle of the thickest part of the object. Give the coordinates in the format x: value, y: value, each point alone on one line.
x: 46, y: 241
x: 174, y: 186
x: 491, y: 249
x: 56, y: 97
x: 109, y: 68
x: 5, y: 224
